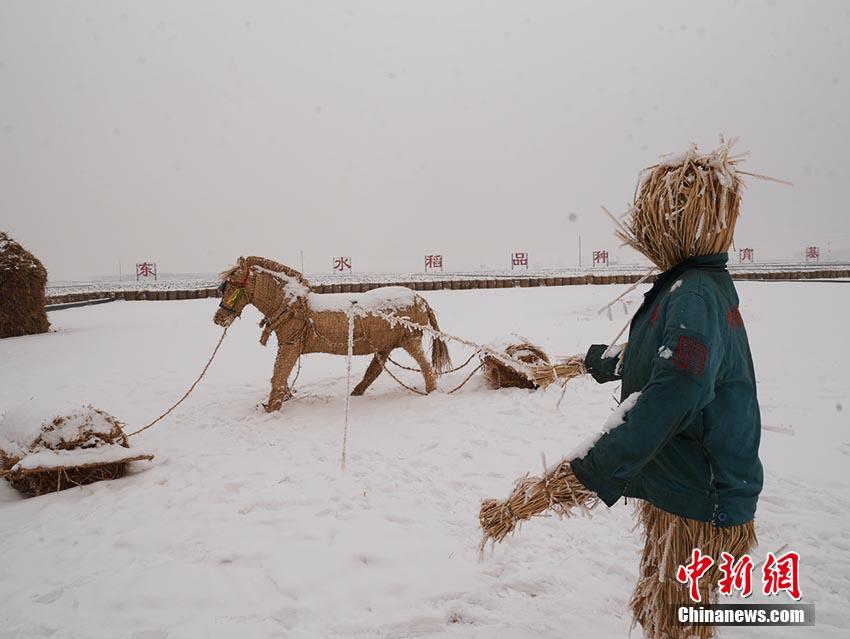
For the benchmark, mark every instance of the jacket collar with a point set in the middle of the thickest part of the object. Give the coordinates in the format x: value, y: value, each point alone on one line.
x: 715, y: 262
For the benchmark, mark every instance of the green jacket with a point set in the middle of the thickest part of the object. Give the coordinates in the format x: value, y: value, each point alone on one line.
x: 689, y: 444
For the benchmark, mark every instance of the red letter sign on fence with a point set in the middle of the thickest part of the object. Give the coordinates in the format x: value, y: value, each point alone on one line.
x: 600, y: 257
x: 745, y: 255
x: 812, y: 254
x: 519, y: 259
x: 342, y: 264
x: 433, y: 262
x: 145, y: 269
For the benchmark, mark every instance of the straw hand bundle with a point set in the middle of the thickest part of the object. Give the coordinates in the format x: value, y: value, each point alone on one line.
x: 565, y: 370
x: 558, y: 490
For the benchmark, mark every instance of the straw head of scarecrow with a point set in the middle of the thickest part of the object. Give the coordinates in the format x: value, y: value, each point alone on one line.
x: 237, y: 289
x: 684, y: 206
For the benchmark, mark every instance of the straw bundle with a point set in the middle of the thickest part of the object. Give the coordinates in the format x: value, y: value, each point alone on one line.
x: 668, y: 543
x: 22, y: 282
x: 73, y: 450
x: 501, y: 374
x: 558, y: 490
x: 686, y: 205
x: 564, y: 370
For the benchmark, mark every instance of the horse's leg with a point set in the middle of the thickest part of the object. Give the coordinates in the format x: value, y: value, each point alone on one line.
x: 287, y: 355
x: 372, y: 372
x: 414, y: 347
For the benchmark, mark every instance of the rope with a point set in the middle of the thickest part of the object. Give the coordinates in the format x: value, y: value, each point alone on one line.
x: 401, y: 383
x: 297, y: 373
x: 419, y: 392
x: 348, y: 380
x: 191, y: 388
x: 468, y: 377
x: 506, y: 359
x: 417, y: 370
x: 627, y: 291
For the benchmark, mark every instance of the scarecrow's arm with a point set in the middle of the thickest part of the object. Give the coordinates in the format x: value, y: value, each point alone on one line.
x: 680, y: 386
x: 603, y: 362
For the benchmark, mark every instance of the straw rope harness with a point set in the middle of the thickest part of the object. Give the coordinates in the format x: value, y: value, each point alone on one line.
x: 513, y: 362
x: 413, y: 326
x: 270, y: 326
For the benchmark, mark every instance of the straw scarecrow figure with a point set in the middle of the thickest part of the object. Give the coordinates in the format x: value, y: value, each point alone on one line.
x: 685, y: 440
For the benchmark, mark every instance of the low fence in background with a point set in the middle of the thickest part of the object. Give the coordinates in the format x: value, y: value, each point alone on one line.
x: 445, y: 284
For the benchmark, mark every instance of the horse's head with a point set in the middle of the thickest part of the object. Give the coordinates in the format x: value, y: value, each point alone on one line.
x: 270, y: 286
x: 237, y: 289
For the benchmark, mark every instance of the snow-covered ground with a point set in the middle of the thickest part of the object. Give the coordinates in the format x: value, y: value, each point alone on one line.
x: 245, y: 526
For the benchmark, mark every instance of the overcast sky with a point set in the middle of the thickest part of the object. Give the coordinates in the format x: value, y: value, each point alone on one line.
x: 189, y: 133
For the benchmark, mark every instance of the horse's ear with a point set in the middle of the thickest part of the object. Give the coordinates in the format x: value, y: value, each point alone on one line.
x: 241, y: 262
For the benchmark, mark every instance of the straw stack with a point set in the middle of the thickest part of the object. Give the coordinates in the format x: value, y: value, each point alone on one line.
x: 23, y: 279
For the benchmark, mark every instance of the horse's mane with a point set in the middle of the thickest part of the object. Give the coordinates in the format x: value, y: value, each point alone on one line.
x: 277, y: 267
x: 269, y: 265
x: 228, y: 273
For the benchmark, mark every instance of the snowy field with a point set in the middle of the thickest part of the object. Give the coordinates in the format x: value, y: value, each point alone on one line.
x: 245, y: 526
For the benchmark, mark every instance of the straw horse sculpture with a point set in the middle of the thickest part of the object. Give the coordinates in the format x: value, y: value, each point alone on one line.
x: 306, y: 322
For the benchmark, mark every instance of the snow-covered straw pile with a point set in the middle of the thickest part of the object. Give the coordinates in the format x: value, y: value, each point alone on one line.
x: 41, y: 452
x: 502, y: 373
x: 686, y: 205
x: 22, y: 282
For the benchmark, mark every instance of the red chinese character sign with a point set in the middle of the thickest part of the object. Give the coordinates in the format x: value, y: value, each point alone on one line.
x: 519, y: 259
x: 693, y: 571
x: 779, y: 574
x: 433, y: 262
x: 600, y: 257
x: 782, y: 574
x: 812, y: 253
x: 145, y: 270
x: 737, y: 575
x: 745, y: 255
x: 342, y: 264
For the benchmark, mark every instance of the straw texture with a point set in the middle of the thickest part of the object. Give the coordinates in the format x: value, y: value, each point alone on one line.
x: 40, y: 480
x: 565, y: 370
x: 668, y: 543
x: 685, y: 206
x: 501, y: 373
x: 22, y: 282
x: 282, y: 294
x: 558, y: 490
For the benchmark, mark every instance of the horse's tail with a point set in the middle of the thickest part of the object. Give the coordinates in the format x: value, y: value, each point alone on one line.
x: 440, y: 359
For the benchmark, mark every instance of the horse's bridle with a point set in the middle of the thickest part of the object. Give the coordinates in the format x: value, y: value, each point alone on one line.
x: 240, y: 290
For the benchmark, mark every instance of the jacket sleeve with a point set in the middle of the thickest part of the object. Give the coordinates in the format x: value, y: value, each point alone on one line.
x: 684, y: 372
x: 603, y: 369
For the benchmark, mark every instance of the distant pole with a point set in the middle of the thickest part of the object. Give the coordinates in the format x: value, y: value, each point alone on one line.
x: 120, y: 276
x: 302, y: 261
x: 579, y: 250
